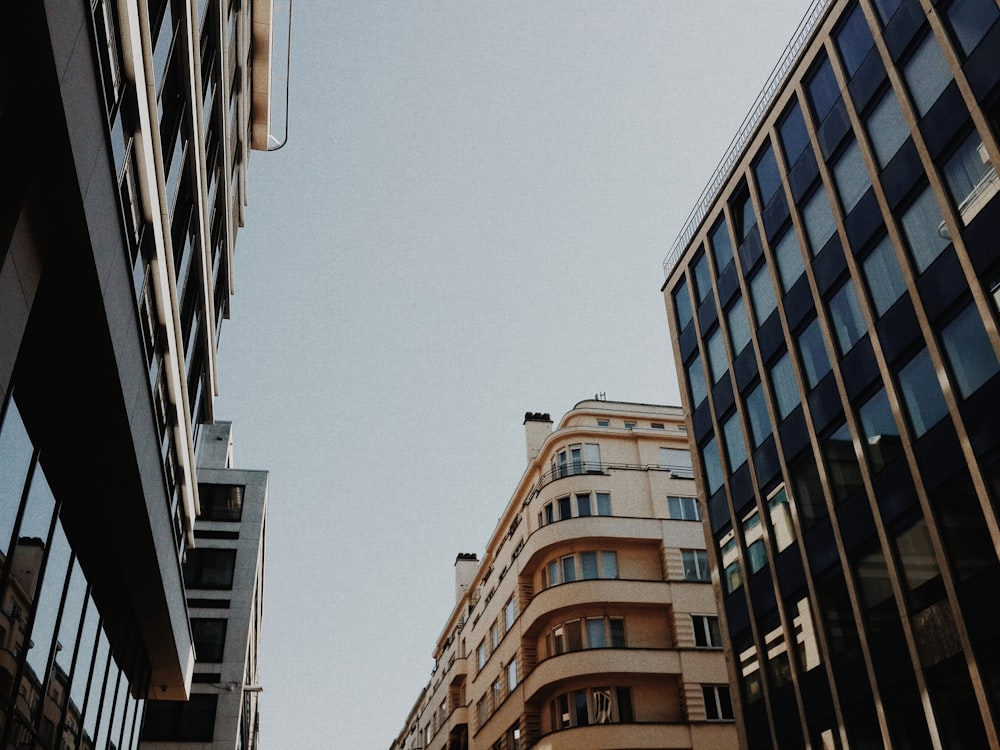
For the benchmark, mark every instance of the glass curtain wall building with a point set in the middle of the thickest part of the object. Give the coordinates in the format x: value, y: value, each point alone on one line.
x: 833, y: 304
x: 125, y: 132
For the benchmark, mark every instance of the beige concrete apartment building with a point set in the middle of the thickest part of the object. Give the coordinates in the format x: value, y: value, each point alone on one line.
x: 589, y: 621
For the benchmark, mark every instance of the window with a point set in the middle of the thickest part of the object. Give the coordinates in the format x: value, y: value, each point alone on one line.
x: 886, y: 8
x: 854, y: 40
x: 845, y: 315
x: 209, y: 634
x: 494, y: 635
x: 922, y: 393
x: 509, y: 615
x: 597, y: 564
x: 781, y: 519
x: 762, y: 296
x: 843, y: 471
x: 786, y: 391
x: 696, y: 382
x: 765, y: 169
x: 887, y: 129
x: 683, y: 508
x: 885, y: 280
x: 481, y: 655
x: 760, y: 423
x: 718, y: 703
x: 695, y: 562
x: 603, y: 503
x: 818, y: 220
x: 220, y: 502
x: 969, y: 351
x: 604, y: 705
x: 753, y: 539
x: 736, y: 449
x: 513, y: 737
x: 732, y: 575
x: 678, y: 460
x: 208, y: 568
x: 511, y: 676
x: 483, y: 710
x: 181, y: 721
x: 718, y: 363
x: 815, y: 361
x: 739, y: 325
x: 743, y: 214
x: 565, y: 509
x: 970, y: 178
x: 927, y: 74
x: 702, y: 278
x: 919, y: 564
x: 823, y: 90
x: 583, y: 505
x: 706, y: 631
x: 794, y: 137
x: 882, y: 441
x: 851, y: 176
x: 606, y: 422
x: 577, y: 459
x: 970, y: 20
x: 788, y: 258
x: 922, y: 225
x: 713, y: 466
x: 657, y: 426
x: 722, y: 248
x: 568, y: 569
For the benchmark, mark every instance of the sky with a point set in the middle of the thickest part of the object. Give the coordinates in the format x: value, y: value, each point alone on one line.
x: 468, y: 222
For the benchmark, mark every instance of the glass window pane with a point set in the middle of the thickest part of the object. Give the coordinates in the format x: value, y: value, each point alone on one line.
x: 842, y: 468
x: 970, y: 20
x: 762, y: 295
x: 969, y: 176
x: 854, y: 40
x: 818, y: 219
x: 781, y: 520
x: 922, y: 227
x: 794, y: 137
x: 886, y: 128
x: 882, y: 439
x: 766, y: 171
x: 876, y: 591
x: 617, y: 632
x: 696, y: 381
x: 760, y: 424
x: 682, y: 305
x: 583, y: 505
x: 922, y: 393
x: 786, y: 391
x: 713, y: 466
x: 609, y: 565
x: 722, y: 248
x: 15, y: 456
x: 596, y: 637
x: 927, y: 74
x: 845, y: 315
x: 815, y: 361
x: 702, y: 278
x: 743, y: 215
x: 969, y: 351
x: 885, y: 280
x: 788, y: 256
x: 920, y: 568
x: 717, y: 360
x: 886, y: 8
x: 851, y: 176
x: 568, y: 569
x: 735, y: 447
x: 823, y: 90
x: 739, y: 325
x: 603, y: 503
x: 588, y: 562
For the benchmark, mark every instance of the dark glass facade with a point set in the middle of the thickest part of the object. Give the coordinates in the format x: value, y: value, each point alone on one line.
x: 846, y: 448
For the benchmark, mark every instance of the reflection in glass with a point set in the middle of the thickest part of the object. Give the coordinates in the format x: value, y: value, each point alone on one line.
x: 854, y: 40
x: 922, y: 393
x: 885, y: 280
x: 818, y: 219
x: 823, y: 90
x: 15, y: 457
x: 783, y: 532
x: 732, y: 576
x: 794, y: 137
x: 718, y: 363
x: 970, y: 20
x: 851, y: 176
x: 808, y: 493
x: 927, y: 74
x: 749, y: 669
x: 876, y: 590
x: 882, y: 441
x: 806, y: 645
x: 696, y: 380
x: 722, y: 248
x: 963, y: 528
x: 713, y: 467
x: 753, y: 540
x: 702, y: 278
x: 969, y: 351
x: 923, y: 228
x: 94, y: 697
x: 815, y: 361
x: 835, y: 604
x: 788, y: 257
x: 766, y: 171
x: 842, y: 469
x: 786, y: 391
x: 845, y: 315
x: 44, y: 627
x: 735, y: 447
x: 920, y: 568
x: 682, y: 305
x: 762, y: 295
x: 779, y: 668
x: 760, y: 423
x: 887, y: 128
x: 84, y: 658
x: 739, y: 325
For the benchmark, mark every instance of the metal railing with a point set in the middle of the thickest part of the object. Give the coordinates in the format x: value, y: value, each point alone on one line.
x: 722, y: 172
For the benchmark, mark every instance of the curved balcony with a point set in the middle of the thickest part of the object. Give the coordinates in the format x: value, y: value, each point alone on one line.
x: 601, y: 661
x: 589, y: 527
x: 580, y: 593
x: 619, y: 737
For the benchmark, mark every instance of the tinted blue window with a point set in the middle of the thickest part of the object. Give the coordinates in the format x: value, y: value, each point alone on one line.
x: 882, y: 441
x: 818, y: 218
x: 794, y: 137
x: 970, y: 20
x: 682, y: 305
x: 922, y: 224
x: 969, y: 350
x: 718, y: 364
x: 760, y: 424
x: 722, y: 248
x: 762, y: 294
x: 735, y: 447
x: 696, y: 381
x: 702, y: 278
x: 786, y: 392
x: 886, y: 128
x: 885, y: 280
x: 766, y: 171
x: 788, y: 256
x: 886, y: 8
x: 851, y: 176
x: 823, y: 90
x: 927, y: 74
x: 854, y: 40
x: 922, y: 393
x: 815, y: 361
x: 845, y: 314
x: 739, y: 325
x: 713, y: 466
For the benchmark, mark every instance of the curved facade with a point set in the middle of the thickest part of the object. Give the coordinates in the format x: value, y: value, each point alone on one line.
x: 589, y: 621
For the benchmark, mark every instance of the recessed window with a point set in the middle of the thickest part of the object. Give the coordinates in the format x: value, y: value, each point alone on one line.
x: 765, y: 169
x: 818, y: 219
x: 580, y: 708
x: 713, y: 467
x: 884, y: 277
x: 181, y: 721
x: 735, y: 447
x: 629, y: 425
x: 842, y: 469
x: 882, y: 441
x: 760, y: 423
x: 732, y: 575
x: 845, y: 316
x: 786, y: 392
x: 509, y: 614
x: 762, y: 296
x: 927, y: 74
x: 924, y: 230
x: 887, y: 128
x: 577, y: 459
x: 220, y: 502
x: 702, y: 278
x: 718, y: 702
x: 208, y: 568
x: 706, y: 631
x: 851, y: 176
x: 722, y: 248
x: 971, y: 180
x: 678, y: 461
x: 683, y: 508
x: 657, y: 426
x: 739, y: 325
x: 604, y: 422
x: 743, y: 214
x: 794, y: 136
x: 854, y: 40
x: 919, y: 563
x: 815, y: 361
x: 591, y: 565
x: 969, y: 351
x: 970, y: 20
x: 696, y: 382
x: 823, y: 90
x: 922, y: 393
x: 586, y: 633
x: 209, y: 635
x: 695, y: 562
x: 788, y: 257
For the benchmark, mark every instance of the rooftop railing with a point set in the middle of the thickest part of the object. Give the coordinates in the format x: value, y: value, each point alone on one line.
x: 750, y: 122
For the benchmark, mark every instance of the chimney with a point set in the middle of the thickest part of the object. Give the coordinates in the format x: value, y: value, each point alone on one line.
x: 537, y: 427
x: 466, y: 565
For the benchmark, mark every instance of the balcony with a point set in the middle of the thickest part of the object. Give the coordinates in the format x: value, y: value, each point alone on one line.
x: 603, y: 662
x: 622, y: 736
x: 591, y: 527
x: 604, y: 590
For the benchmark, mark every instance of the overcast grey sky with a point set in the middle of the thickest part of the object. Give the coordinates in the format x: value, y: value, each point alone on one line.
x: 468, y: 223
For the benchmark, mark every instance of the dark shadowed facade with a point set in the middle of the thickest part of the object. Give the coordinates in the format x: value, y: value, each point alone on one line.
x: 833, y: 311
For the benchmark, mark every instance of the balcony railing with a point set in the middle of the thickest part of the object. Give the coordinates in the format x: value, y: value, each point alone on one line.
x: 746, y: 130
x: 582, y: 468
